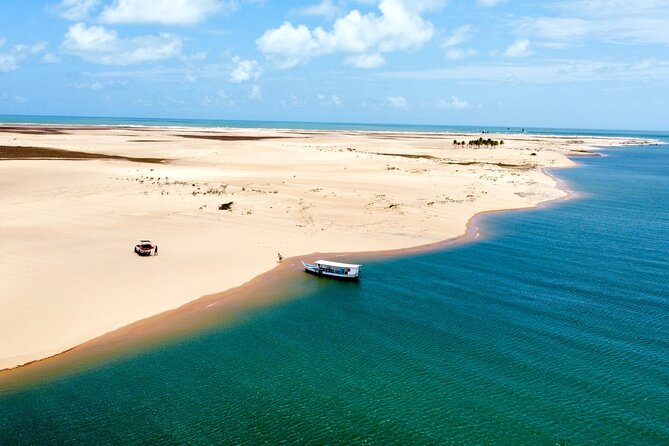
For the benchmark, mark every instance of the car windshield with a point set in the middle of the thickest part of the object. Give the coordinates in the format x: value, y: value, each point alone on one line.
x: 146, y: 246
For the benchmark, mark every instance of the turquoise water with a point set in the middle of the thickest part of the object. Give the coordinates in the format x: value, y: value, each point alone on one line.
x: 91, y: 120
x: 553, y: 329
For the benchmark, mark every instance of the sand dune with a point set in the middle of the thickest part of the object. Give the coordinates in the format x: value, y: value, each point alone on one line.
x: 75, y: 200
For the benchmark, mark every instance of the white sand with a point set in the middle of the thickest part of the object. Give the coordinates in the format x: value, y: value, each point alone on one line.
x: 67, y: 228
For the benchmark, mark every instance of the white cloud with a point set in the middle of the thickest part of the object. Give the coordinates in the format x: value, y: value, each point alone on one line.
x: 489, y: 3
x: 8, y: 63
x: 152, y: 73
x: 100, y: 45
x: 519, y: 48
x: 224, y: 99
x: 332, y: 101
x: 166, y: 12
x: 424, y: 5
x: 399, y: 26
x: 13, y: 98
x: 454, y: 102
x: 220, y: 100
x: 325, y: 8
x: 619, y: 8
x: 195, y: 57
x: 397, y: 102
x: 294, y: 102
x: 91, y: 86
x: 98, y: 85
x: 609, y: 21
x: 554, y: 29
x: 50, y: 58
x: 460, y: 53
x: 12, y: 57
x: 366, y: 60
x: 256, y: 93
x: 76, y: 9
x: 81, y: 38
x: 25, y: 50
x: 555, y: 72
x: 288, y: 45
x: 245, y: 70
x: 459, y: 35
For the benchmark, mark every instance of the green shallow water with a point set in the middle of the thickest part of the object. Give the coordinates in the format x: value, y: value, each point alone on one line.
x: 554, y: 329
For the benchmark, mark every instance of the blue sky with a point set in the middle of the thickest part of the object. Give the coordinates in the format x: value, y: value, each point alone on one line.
x: 564, y: 63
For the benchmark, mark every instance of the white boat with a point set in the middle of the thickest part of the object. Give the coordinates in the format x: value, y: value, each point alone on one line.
x: 333, y: 269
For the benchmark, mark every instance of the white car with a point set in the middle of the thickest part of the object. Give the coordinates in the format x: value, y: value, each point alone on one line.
x: 145, y: 248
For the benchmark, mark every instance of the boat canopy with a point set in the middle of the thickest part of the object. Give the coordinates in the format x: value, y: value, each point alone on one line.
x: 336, y: 264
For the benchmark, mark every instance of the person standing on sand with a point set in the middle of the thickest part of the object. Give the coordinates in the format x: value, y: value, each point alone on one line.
x: 155, y: 250
x: 280, y: 257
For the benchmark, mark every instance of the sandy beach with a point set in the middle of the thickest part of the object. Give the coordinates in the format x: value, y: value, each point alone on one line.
x: 75, y: 200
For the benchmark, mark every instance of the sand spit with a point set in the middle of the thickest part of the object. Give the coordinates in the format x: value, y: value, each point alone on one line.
x: 75, y: 200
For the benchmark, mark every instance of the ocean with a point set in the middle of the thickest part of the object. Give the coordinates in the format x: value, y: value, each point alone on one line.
x: 552, y: 328
x: 293, y: 125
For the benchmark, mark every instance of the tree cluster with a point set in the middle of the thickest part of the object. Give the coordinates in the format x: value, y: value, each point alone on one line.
x: 479, y: 142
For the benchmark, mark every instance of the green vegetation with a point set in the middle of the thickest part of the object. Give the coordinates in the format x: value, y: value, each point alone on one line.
x: 479, y: 142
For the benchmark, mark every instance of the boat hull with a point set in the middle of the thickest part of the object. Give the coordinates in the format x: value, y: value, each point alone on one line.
x: 313, y: 269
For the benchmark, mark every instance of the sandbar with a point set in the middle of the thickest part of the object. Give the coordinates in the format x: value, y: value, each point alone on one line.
x: 74, y: 200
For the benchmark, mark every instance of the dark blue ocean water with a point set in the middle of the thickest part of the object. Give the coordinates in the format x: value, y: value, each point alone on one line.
x: 552, y: 329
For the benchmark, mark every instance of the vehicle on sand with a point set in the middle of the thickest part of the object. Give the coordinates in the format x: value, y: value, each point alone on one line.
x: 145, y: 248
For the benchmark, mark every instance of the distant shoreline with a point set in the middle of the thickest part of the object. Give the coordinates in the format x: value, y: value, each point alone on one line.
x: 115, y: 122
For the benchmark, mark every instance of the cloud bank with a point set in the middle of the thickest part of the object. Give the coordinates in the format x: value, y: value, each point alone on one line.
x: 364, y: 37
x: 165, y: 12
x: 100, y: 45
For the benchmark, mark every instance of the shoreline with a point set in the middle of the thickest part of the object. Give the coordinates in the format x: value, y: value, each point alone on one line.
x: 191, y: 123
x: 627, y: 140
x: 159, y: 329
x: 233, y: 297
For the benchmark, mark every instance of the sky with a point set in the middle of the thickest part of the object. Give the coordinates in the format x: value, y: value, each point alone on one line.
x: 565, y: 63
